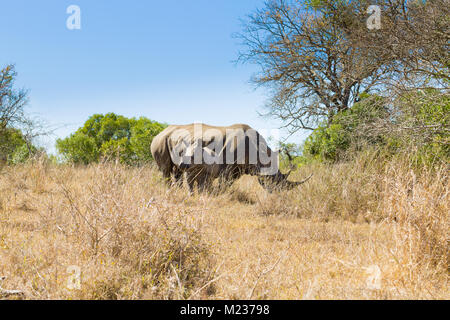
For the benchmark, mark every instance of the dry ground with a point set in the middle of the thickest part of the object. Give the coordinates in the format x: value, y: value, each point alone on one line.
x: 362, y: 230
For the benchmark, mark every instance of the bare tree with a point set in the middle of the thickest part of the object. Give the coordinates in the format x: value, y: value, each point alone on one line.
x: 414, y: 40
x: 12, y: 102
x: 308, y: 59
x: 13, y: 119
x: 317, y: 57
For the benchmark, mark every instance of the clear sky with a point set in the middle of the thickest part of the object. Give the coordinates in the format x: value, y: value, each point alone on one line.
x: 170, y: 61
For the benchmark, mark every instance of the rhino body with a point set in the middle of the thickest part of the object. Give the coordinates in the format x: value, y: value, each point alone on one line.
x: 207, y: 152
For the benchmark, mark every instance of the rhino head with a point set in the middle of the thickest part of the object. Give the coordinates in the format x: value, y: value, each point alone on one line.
x: 279, y: 181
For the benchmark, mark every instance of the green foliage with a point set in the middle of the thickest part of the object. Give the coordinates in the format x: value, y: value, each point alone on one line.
x: 142, y: 134
x: 426, y: 116
x: 78, y: 148
x: 13, y: 146
x: 420, y: 124
x: 327, y: 142
x: 350, y: 128
x: 22, y: 154
x: 111, y: 136
x: 10, y: 139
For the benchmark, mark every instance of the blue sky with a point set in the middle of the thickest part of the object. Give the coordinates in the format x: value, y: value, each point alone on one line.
x: 170, y: 61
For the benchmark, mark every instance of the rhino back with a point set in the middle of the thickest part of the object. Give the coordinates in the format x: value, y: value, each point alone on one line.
x: 163, y: 144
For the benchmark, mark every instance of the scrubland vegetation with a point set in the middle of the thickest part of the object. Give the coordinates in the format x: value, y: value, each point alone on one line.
x: 372, y: 223
x: 370, y: 228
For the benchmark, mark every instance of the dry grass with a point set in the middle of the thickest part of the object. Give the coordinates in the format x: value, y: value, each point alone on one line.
x: 130, y: 237
x: 361, y: 230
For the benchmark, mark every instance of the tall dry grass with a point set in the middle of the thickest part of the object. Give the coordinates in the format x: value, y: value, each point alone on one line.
x: 413, y: 202
x: 368, y: 220
x: 130, y: 238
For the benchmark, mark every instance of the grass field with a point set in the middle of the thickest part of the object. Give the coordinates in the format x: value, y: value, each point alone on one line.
x: 366, y: 229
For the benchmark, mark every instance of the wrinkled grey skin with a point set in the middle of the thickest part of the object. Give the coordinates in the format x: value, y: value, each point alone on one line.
x: 203, y: 174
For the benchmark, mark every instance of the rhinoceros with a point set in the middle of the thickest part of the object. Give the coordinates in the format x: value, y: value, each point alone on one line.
x: 207, y: 152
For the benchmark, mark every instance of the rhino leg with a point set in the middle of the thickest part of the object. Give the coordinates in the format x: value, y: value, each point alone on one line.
x: 166, y: 174
x: 204, y: 183
x: 225, y: 182
x: 191, y: 177
x: 177, y: 177
x: 201, y: 176
x: 229, y: 176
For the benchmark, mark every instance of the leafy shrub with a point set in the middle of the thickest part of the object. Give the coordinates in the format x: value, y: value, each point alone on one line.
x: 13, y: 146
x: 351, y: 128
x: 417, y: 122
x: 22, y: 154
x: 425, y: 120
x: 79, y: 148
x: 111, y: 136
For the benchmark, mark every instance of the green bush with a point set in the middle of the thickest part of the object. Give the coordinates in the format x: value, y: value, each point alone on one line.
x: 22, y: 154
x: 418, y: 122
x: 111, y: 136
x: 349, y: 129
x: 426, y: 119
x: 13, y: 146
x: 78, y: 148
